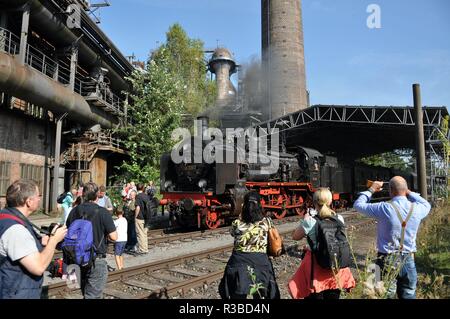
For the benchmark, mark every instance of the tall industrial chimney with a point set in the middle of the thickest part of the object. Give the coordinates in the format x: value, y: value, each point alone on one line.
x: 283, y: 57
x: 223, y: 66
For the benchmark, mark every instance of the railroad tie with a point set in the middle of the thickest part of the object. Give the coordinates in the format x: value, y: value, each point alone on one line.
x: 167, y: 277
x: 188, y: 272
x: 118, y: 294
x: 143, y: 285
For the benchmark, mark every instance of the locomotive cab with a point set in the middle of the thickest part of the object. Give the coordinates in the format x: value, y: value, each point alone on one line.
x: 310, y: 162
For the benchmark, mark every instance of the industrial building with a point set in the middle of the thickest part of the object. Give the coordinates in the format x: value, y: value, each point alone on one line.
x: 61, y: 84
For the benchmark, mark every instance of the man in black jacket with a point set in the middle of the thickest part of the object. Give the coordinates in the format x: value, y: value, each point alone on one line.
x: 93, y: 279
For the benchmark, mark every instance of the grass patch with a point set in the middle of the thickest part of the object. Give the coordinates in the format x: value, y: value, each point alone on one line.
x: 432, y: 262
x: 433, y: 254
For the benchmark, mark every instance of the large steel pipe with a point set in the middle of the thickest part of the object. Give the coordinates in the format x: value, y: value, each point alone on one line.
x: 57, y: 31
x: 30, y: 85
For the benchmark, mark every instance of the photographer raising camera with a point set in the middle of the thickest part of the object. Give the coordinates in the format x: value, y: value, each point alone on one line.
x: 24, y: 254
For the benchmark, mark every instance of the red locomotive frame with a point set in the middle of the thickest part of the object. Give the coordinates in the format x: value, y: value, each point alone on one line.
x: 278, y: 199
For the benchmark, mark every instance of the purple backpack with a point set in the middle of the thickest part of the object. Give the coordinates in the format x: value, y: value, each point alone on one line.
x: 78, y: 245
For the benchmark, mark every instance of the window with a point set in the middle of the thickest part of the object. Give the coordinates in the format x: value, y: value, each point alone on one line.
x: 5, y: 177
x: 32, y: 172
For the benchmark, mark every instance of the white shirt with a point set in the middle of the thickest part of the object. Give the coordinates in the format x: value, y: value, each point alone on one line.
x: 122, y: 229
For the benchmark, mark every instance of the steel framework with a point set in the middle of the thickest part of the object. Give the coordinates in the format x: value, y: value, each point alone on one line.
x: 378, y: 119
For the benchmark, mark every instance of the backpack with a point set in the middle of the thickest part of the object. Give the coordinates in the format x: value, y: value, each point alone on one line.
x: 151, y: 192
x: 330, y: 245
x: 78, y: 245
x: 57, y: 268
x: 60, y: 198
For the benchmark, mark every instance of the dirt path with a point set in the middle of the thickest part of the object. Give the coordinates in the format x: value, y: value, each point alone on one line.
x: 285, y: 266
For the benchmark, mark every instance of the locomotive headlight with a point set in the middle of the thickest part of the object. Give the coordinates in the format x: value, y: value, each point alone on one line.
x: 202, y: 183
x: 167, y: 185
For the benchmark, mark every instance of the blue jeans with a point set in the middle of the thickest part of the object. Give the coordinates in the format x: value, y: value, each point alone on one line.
x: 93, y: 281
x: 406, y: 281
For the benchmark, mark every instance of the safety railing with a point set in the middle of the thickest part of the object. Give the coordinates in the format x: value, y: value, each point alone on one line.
x: 93, y: 90
x: 85, y: 151
x: 107, y: 139
x: 9, y: 42
x: 59, y: 70
x: 40, y: 62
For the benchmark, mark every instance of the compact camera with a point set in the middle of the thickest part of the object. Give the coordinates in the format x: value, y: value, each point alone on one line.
x: 50, y: 230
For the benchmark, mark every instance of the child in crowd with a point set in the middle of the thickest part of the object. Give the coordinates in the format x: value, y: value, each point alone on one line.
x: 122, y: 230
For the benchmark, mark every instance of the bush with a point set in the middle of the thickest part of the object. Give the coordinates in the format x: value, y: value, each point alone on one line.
x: 432, y: 262
x: 433, y: 254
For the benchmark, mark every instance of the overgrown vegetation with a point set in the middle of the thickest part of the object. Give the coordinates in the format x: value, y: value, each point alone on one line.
x: 187, y: 64
x: 401, y: 159
x: 433, y: 254
x: 432, y: 262
x: 255, y: 287
x: 156, y: 112
x: 173, y: 85
x: 368, y: 283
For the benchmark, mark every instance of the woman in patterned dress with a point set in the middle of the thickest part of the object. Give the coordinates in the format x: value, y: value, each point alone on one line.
x: 249, y: 271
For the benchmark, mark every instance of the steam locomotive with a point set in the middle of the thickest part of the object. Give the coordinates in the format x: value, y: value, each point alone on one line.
x: 209, y: 193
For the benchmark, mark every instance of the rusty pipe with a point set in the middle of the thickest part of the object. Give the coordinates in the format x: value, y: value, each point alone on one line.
x: 420, y: 142
x: 32, y: 86
x: 58, y: 32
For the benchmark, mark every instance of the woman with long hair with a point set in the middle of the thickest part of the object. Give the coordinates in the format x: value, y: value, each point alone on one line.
x: 311, y: 280
x: 249, y: 270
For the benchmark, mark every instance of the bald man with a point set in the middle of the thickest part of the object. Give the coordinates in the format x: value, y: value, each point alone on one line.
x: 398, y: 223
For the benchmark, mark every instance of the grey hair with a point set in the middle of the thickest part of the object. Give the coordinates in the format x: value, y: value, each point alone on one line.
x: 19, y: 191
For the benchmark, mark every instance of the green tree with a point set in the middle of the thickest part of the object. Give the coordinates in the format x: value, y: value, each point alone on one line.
x: 401, y: 159
x: 187, y: 64
x: 155, y: 113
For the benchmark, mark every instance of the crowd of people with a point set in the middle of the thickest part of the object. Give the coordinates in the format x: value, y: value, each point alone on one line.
x: 25, y: 253
x: 324, y: 269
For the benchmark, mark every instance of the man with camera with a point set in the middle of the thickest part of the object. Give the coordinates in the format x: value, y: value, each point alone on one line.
x: 24, y: 254
x: 398, y: 224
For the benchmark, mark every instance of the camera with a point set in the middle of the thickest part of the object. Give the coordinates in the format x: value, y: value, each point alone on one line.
x: 49, y: 230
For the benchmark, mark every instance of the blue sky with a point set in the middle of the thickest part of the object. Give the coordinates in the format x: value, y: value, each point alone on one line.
x: 346, y: 62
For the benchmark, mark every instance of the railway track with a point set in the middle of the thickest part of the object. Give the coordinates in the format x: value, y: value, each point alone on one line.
x: 167, y: 236
x: 171, y: 277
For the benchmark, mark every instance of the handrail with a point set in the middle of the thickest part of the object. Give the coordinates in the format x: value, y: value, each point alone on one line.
x: 102, y: 92
x: 59, y: 71
x: 9, y: 42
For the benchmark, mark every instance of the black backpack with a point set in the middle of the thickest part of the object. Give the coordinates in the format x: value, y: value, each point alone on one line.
x: 60, y: 198
x: 330, y: 245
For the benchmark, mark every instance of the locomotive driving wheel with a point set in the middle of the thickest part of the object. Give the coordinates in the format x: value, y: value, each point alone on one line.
x: 279, y: 214
x: 280, y: 201
x: 305, y: 204
x: 212, y: 220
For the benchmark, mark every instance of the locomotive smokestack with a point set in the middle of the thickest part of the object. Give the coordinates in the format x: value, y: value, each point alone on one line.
x: 283, y: 57
x: 223, y: 66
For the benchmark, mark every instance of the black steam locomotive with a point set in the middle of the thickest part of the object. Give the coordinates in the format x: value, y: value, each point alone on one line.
x: 209, y: 193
